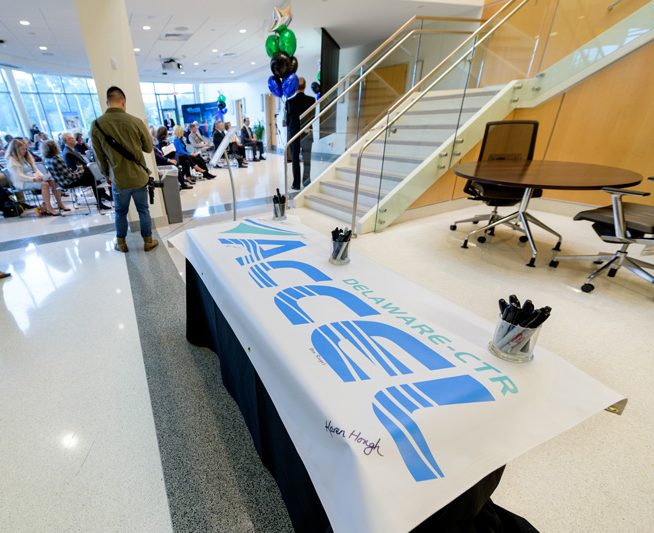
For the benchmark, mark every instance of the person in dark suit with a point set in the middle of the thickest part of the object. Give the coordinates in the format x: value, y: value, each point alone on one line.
x: 248, y: 138
x: 295, y: 106
x: 169, y: 122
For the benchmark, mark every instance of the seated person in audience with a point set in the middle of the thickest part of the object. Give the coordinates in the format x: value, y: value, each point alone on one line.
x: 67, y: 178
x: 236, y: 147
x: 25, y: 176
x: 34, y: 131
x: 250, y: 139
x: 204, y: 128
x: 169, y: 157
x: 39, y: 141
x: 197, y: 140
x: 8, y: 139
x: 74, y: 160
x: 195, y: 160
x: 80, y: 146
x: 218, y: 136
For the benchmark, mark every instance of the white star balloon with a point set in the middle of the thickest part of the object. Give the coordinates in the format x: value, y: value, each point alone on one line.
x: 281, y: 17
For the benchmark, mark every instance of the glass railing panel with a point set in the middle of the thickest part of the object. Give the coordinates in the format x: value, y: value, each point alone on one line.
x: 430, y: 123
x: 575, y: 23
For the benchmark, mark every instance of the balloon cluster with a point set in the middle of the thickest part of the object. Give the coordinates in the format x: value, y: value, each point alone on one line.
x: 280, y: 47
x: 316, y: 88
x: 222, y: 106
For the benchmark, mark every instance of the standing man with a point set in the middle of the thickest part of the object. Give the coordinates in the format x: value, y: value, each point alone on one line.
x: 295, y: 106
x: 119, y: 140
x: 250, y: 139
x: 169, y: 122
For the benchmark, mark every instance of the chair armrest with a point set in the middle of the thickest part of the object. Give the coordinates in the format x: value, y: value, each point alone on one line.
x: 623, y: 192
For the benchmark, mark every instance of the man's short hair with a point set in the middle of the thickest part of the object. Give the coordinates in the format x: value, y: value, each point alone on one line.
x: 302, y: 84
x: 115, y: 93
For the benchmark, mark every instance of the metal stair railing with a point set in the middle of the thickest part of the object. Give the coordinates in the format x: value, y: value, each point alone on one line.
x: 360, y: 79
x: 505, y: 13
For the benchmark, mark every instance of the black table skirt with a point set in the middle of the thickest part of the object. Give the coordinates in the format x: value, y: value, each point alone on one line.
x: 206, y: 326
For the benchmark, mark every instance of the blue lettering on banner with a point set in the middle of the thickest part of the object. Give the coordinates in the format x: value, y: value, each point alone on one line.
x: 354, y: 349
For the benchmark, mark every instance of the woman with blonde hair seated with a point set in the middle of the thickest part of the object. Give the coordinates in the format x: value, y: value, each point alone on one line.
x: 24, y: 175
x: 195, y: 161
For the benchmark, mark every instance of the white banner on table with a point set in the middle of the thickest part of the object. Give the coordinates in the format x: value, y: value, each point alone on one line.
x: 388, y: 391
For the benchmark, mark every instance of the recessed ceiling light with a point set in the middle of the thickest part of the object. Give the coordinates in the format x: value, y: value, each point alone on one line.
x: 137, y: 49
x: 24, y: 22
x: 214, y: 50
x: 253, y: 62
x: 146, y: 28
x: 196, y: 63
x: 43, y: 48
x: 242, y: 30
x: 232, y: 72
x: 182, y: 72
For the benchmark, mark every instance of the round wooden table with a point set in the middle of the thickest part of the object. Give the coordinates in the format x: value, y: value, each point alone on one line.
x: 532, y: 175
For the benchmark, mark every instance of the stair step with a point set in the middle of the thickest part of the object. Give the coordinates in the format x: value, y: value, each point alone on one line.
x: 449, y: 111
x: 389, y: 177
x: 335, y: 206
x: 391, y: 158
x: 346, y: 186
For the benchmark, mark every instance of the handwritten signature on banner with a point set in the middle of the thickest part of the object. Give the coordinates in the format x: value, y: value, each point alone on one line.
x: 369, y: 445
x: 359, y: 350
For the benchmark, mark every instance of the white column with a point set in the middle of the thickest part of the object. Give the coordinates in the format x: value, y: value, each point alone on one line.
x: 18, y: 101
x: 110, y: 51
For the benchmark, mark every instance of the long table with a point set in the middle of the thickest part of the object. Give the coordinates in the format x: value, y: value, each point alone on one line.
x: 386, y: 392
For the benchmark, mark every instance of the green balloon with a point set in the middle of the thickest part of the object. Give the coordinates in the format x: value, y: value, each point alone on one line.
x: 287, y: 42
x: 281, y: 28
x: 222, y: 98
x: 272, y: 44
x: 318, y: 76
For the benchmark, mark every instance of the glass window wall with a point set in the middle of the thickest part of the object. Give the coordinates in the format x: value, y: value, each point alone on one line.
x: 9, y: 123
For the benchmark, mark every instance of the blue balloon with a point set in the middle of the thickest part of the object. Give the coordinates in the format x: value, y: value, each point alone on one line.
x: 274, y: 86
x: 290, y: 85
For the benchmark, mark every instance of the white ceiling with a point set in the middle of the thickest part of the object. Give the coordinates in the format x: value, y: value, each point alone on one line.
x: 213, y: 25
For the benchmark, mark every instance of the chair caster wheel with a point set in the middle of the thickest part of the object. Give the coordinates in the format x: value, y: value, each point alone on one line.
x: 598, y: 262
x: 587, y: 287
x: 554, y: 263
x: 465, y: 244
x: 475, y: 221
x: 523, y: 238
x: 491, y: 232
x: 612, y: 272
x: 557, y: 247
x: 532, y: 262
x: 453, y: 227
x: 481, y: 239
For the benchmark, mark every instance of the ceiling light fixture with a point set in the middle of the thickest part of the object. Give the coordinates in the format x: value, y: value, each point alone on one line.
x: 214, y: 50
x: 196, y: 63
x: 24, y: 22
x: 253, y: 62
x: 44, y: 48
x: 242, y: 30
x: 146, y: 28
x: 137, y: 49
x: 232, y: 72
x: 182, y: 72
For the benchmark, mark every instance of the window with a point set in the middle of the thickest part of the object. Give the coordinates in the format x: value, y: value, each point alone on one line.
x: 46, y: 97
x: 9, y: 123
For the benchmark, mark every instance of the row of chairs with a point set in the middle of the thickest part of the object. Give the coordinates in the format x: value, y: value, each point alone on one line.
x: 78, y: 195
x: 620, y: 223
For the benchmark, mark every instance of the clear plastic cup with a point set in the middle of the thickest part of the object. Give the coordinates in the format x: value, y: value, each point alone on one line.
x: 514, y: 343
x: 279, y: 211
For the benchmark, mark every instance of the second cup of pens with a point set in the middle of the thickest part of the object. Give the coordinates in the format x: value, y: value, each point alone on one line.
x: 340, y: 246
x: 279, y: 206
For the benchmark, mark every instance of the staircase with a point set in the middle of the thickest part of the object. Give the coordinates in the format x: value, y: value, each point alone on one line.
x: 424, y: 129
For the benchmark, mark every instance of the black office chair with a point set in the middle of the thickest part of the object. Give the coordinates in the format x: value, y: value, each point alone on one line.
x: 508, y: 140
x: 618, y: 223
